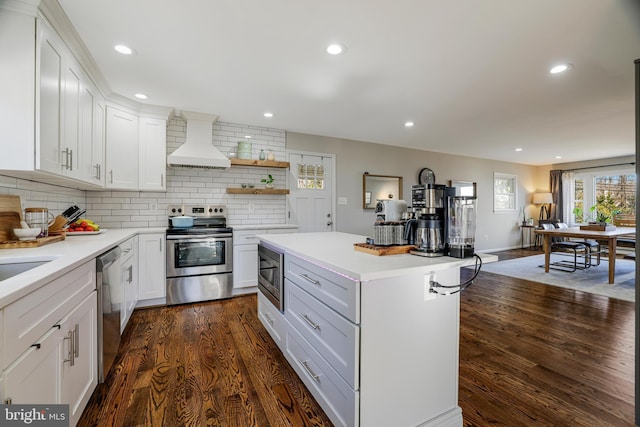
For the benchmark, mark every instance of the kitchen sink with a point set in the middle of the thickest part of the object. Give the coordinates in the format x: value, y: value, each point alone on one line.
x: 13, y: 266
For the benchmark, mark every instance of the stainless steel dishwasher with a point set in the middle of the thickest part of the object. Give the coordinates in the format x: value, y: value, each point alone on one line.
x: 109, y: 306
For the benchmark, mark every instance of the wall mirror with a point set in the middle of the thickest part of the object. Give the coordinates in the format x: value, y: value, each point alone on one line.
x: 464, y: 188
x: 376, y: 187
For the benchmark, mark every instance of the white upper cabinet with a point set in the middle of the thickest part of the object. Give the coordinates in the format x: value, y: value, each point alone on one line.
x: 54, y: 122
x: 51, y: 85
x: 122, y: 149
x: 153, y: 154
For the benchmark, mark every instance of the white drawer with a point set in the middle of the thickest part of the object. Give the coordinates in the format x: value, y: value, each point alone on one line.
x: 336, y: 291
x: 339, y: 401
x: 127, y: 248
x: 271, y: 318
x: 247, y: 237
x: 29, y: 318
x: 334, y: 337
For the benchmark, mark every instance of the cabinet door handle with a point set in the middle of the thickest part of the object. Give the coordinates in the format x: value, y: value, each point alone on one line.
x: 162, y: 180
x: 71, y: 338
x: 310, y: 322
x: 306, y: 367
x: 269, y: 319
x: 97, y: 166
x: 76, y: 341
x: 71, y: 160
x: 65, y: 152
x: 111, y: 176
x: 309, y: 279
x: 130, y: 274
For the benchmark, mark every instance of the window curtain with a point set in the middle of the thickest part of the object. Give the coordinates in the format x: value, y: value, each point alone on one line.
x: 555, y: 181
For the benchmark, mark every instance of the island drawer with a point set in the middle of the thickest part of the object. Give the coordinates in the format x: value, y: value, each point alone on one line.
x: 339, y: 401
x: 28, y: 319
x: 333, y: 336
x: 271, y: 319
x: 338, y: 292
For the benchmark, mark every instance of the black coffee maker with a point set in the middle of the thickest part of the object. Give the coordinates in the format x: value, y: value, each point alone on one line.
x: 428, y: 230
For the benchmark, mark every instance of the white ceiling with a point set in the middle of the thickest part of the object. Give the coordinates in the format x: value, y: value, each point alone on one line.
x: 472, y: 74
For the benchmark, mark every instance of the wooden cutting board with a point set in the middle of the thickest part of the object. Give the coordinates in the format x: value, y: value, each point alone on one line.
x: 10, y: 203
x: 14, y: 244
x: 382, y: 250
x: 8, y: 221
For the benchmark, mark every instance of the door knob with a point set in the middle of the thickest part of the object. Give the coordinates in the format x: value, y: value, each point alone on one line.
x: 329, y: 223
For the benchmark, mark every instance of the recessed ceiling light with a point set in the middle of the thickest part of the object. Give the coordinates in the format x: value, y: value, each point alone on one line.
x: 558, y: 157
x: 335, y: 49
x: 125, y: 50
x: 561, y: 68
x: 140, y: 96
x: 408, y: 124
x: 268, y: 115
x: 518, y: 149
x: 248, y: 136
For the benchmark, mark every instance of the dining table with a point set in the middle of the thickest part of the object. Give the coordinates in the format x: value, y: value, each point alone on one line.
x: 610, y: 236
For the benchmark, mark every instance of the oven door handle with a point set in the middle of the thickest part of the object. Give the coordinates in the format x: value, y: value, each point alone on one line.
x: 190, y: 239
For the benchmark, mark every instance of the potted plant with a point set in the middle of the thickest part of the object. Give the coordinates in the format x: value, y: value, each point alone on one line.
x: 268, y: 181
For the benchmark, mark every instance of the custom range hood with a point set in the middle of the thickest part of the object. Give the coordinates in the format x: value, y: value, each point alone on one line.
x: 198, y: 150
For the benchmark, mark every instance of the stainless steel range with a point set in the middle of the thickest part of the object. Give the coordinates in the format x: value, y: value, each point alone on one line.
x: 199, y: 257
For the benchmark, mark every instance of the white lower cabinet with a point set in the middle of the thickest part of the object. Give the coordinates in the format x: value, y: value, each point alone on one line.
x: 152, y: 275
x: 271, y: 318
x: 35, y: 376
x: 79, y: 371
x: 129, y: 280
x: 59, y: 365
x: 245, y: 255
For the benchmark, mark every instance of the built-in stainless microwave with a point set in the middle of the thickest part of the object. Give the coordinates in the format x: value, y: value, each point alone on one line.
x: 271, y: 275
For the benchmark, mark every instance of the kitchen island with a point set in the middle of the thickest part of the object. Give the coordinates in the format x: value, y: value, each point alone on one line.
x: 365, y: 334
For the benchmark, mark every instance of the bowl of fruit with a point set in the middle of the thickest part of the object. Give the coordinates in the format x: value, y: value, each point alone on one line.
x: 83, y: 227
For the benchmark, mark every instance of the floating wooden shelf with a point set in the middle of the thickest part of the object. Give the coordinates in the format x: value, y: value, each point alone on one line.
x: 257, y: 191
x: 259, y: 163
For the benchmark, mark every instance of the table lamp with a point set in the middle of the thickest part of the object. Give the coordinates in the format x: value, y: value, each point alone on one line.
x: 543, y: 199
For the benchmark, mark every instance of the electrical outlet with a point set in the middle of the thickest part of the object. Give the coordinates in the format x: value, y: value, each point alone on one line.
x: 342, y: 200
x: 428, y: 278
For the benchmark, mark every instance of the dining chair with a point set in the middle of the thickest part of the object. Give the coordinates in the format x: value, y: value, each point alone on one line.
x: 565, y: 247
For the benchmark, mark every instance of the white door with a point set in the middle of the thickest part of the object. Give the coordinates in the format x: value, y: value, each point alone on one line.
x: 311, y: 184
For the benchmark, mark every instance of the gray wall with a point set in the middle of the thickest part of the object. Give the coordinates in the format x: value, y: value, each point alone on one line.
x: 353, y: 158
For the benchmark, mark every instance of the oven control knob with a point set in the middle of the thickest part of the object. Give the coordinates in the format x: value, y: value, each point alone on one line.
x: 220, y: 210
x: 210, y: 210
x: 173, y: 210
x: 215, y: 210
x: 179, y: 210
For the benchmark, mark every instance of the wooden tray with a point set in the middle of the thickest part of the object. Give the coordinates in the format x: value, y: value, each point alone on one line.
x: 382, y: 250
x: 14, y: 244
x: 597, y: 227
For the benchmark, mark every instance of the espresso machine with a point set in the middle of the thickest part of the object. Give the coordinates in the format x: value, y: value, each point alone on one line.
x: 444, y: 223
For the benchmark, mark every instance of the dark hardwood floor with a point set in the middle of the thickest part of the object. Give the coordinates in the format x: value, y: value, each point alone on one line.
x: 530, y: 355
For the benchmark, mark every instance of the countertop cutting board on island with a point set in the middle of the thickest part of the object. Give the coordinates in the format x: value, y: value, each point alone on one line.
x: 382, y: 250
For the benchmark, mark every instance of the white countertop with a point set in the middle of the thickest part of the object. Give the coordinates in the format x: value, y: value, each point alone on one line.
x: 67, y: 254
x: 335, y: 251
x: 263, y: 226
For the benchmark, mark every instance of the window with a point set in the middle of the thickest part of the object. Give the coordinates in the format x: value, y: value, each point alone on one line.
x: 504, y: 192
x: 590, y: 193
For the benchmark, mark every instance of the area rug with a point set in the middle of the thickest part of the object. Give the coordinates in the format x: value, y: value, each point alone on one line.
x: 593, y: 280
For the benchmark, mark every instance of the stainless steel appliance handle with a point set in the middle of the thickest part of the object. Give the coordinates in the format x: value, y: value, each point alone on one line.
x: 200, y: 239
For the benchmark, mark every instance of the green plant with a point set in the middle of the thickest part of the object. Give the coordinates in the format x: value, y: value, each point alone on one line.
x: 268, y: 180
